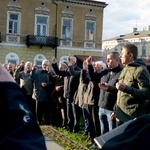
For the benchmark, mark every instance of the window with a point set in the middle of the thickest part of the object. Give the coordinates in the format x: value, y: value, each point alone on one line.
x: 39, y: 64
x: 143, y: 50
x: 13, y: 27
x: 66, y: 28
x: 89, y: 34
x: 66, y: 32
x: 13, y: 23
x: 41, y: 25
x: 12, y: 61
x: 12, y: 57
x: 38, y: 60
x: 63, y: 58
x: 90, y: 30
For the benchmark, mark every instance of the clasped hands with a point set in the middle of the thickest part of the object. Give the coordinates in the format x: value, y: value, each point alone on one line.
x: 119, y: 85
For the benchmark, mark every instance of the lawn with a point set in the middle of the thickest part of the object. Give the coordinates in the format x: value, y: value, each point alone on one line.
x: 68, y: 140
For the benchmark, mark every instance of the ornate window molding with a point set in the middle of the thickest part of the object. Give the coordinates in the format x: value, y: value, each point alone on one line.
x: 14, y: 6
x: 90, y: 16
x: 42, y: 9
x: 67, y: 13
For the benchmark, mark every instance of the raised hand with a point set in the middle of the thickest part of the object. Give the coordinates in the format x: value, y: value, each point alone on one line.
x: 89, y: 60
x: 54, y: 60
x: 85, y: 67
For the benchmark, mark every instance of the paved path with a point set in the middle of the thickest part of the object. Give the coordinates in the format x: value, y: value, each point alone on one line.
x: 50, y: 144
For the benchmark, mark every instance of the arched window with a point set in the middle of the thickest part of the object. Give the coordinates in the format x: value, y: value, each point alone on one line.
x: 38, y: 60
x: 63, y: 58
x: 13, y: 58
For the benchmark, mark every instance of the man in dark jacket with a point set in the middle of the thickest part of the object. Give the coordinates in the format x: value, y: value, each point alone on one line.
x: 26, y: 83
x: 70, y: 87
x: 107, y: 99
x: 42, y: 88
x: 18, y: 127
x: 133, y: 85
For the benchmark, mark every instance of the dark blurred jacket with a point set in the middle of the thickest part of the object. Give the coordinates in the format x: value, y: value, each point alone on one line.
x: 107, y: 99
x: 70, y: 82
x: 41, y: 93
x: 18, y: 128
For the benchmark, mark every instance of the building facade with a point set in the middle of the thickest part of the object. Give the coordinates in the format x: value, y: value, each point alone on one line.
x: 33, y: 30
x: 140, y: 38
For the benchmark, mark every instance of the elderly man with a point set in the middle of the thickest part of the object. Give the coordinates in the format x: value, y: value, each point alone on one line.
x: 42, y: 88
x: 26, y: 83
x: 70, y: 87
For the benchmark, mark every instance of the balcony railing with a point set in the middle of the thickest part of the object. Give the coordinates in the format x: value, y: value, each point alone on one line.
x: 42, y: 41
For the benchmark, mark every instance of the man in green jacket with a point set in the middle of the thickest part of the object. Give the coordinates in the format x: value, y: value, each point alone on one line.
x: 133, y: 85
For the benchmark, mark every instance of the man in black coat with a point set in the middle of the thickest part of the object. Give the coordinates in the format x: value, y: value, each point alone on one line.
x: 70, y: 87
x: 107, y: 99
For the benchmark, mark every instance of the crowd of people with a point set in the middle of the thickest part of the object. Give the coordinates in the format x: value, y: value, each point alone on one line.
x: 105, y: 94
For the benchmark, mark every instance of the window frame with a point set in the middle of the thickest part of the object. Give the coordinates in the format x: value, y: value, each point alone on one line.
x: 12, y: 57
x: 19, y: 22
x: 35, y: 26
x: 13, y: 37
x: 69, y: 40
x: 89, y: 42
x: 94, y: 34
x: 39, y: 58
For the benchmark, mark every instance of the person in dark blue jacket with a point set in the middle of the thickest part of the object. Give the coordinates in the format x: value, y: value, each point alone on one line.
x: 18, y: 126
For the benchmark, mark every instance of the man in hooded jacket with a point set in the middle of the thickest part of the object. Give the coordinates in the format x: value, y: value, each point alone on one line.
x: 133, y: 86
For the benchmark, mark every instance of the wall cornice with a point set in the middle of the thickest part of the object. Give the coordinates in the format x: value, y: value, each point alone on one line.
x: 82, y: 3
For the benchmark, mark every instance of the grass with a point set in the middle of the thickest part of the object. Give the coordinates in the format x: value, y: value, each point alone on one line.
x: 68, y: 140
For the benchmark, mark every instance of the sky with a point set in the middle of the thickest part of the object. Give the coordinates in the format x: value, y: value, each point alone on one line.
x: 121, y: 16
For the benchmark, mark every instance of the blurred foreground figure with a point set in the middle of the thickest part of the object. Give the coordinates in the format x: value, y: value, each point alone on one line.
x: 18, y: 127
x: 135, y: 137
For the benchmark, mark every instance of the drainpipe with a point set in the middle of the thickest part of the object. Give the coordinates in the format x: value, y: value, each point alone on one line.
x: 56, y: 21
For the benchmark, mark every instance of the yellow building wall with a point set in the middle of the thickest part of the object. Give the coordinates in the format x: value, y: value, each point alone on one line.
x: 28, y: 54
x: 27, y: 28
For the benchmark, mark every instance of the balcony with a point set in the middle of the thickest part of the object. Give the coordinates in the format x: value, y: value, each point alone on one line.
x: 42, y: 41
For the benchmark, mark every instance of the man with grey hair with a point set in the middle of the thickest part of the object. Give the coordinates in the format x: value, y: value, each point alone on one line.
x: 57, y: 96
x: 70, y: 87
x: 42, y: 87
x: 26, y: 83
